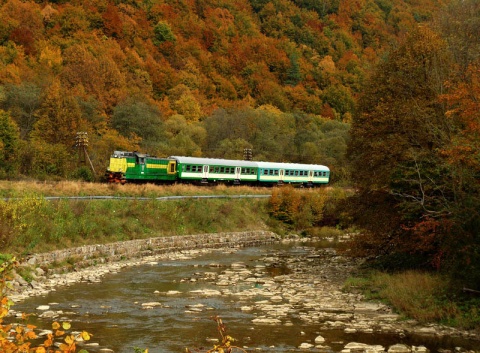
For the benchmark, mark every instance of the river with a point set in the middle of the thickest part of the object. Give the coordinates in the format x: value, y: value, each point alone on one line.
x: 167, y: 306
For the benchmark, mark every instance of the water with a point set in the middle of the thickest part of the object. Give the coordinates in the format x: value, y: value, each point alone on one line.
x: 113, y: 312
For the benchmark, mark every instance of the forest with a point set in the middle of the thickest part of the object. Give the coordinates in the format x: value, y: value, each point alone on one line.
x: 384, y: 92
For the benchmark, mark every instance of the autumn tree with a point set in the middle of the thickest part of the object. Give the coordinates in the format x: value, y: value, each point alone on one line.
x: 59, y: 117
x: 396, y: 136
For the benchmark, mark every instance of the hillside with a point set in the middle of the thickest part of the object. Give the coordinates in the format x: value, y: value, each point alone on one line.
x: 190, y: 77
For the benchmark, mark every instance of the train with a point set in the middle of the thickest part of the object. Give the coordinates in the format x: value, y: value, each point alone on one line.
x: 135, y: 167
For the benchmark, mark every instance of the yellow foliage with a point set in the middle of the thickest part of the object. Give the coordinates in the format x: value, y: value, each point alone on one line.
x: 269, y: 108
x: 50, y: 56
x: 16, y: 213
x: 24, y: 333
x: 327, y: 64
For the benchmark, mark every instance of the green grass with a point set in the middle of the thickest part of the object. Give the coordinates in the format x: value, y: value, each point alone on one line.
x: 35, y: 225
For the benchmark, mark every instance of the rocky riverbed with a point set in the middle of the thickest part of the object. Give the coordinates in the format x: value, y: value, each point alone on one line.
x: 287, y: 290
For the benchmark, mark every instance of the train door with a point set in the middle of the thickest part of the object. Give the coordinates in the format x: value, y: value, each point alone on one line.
x: 281, y: 175
x: 205, y: 172
x: 141, y: 163
x: 238, y: 171
x: 310, y: 176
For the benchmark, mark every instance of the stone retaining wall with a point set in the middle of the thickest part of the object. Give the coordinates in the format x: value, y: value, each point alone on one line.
x: 92, y: 254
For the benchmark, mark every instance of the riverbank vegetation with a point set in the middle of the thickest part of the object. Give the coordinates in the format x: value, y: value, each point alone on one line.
x: 31, y: 223
x: 422, y: 296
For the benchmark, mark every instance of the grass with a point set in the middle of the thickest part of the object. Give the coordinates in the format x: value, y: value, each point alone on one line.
x: 40, y: 226
x: 74, y: 188
x: 29, y: 223
x: 421, y: 296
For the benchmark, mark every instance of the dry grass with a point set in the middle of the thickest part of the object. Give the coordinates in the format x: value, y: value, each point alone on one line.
x: 74, y: 188
x: 425, y: 297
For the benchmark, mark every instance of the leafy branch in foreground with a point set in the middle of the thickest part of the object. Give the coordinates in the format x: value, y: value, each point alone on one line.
x: 17, y: 338
x: 226, y: 340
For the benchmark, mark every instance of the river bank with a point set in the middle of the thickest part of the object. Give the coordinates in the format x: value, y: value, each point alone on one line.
x: 311, y: 291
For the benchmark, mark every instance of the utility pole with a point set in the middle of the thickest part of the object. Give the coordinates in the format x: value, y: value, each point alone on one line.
x: 81, y: 142
x: 247, y: 154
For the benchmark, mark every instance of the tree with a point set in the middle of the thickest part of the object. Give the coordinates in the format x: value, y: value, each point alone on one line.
x: 23, y: 101
x: 135, y: 117
x: 183, y: 138
x: 163, y: 33
x: 396, y: 136
x: 8, y: 145
x: 59, y: 118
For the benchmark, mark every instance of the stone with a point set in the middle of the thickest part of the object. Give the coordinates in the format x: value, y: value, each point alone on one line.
x: 319, y: 340
x: 43, y: 307
x: 266, y: 321
x: 151, y: 304
x: 399, y: 348
x: 306, y: 345
x: 173, y: 292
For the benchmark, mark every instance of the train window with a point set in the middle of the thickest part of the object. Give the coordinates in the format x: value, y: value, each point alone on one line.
x: 296, y: 172
x: 265, y: 172
x: 212, y: 169
x: 276, y: 172
x: 188, y: 168
x: 222, y: 169
x: 232, y: 170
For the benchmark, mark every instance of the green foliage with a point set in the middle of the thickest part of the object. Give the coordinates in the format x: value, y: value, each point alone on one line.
x: 137, y: 118
x: 294, y: 75
x: 84, y: 173
x: 274, y: 135
x: 32, y: 224
x: 22, y: 101
x: 163, y: 33
x: 8, y: 145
